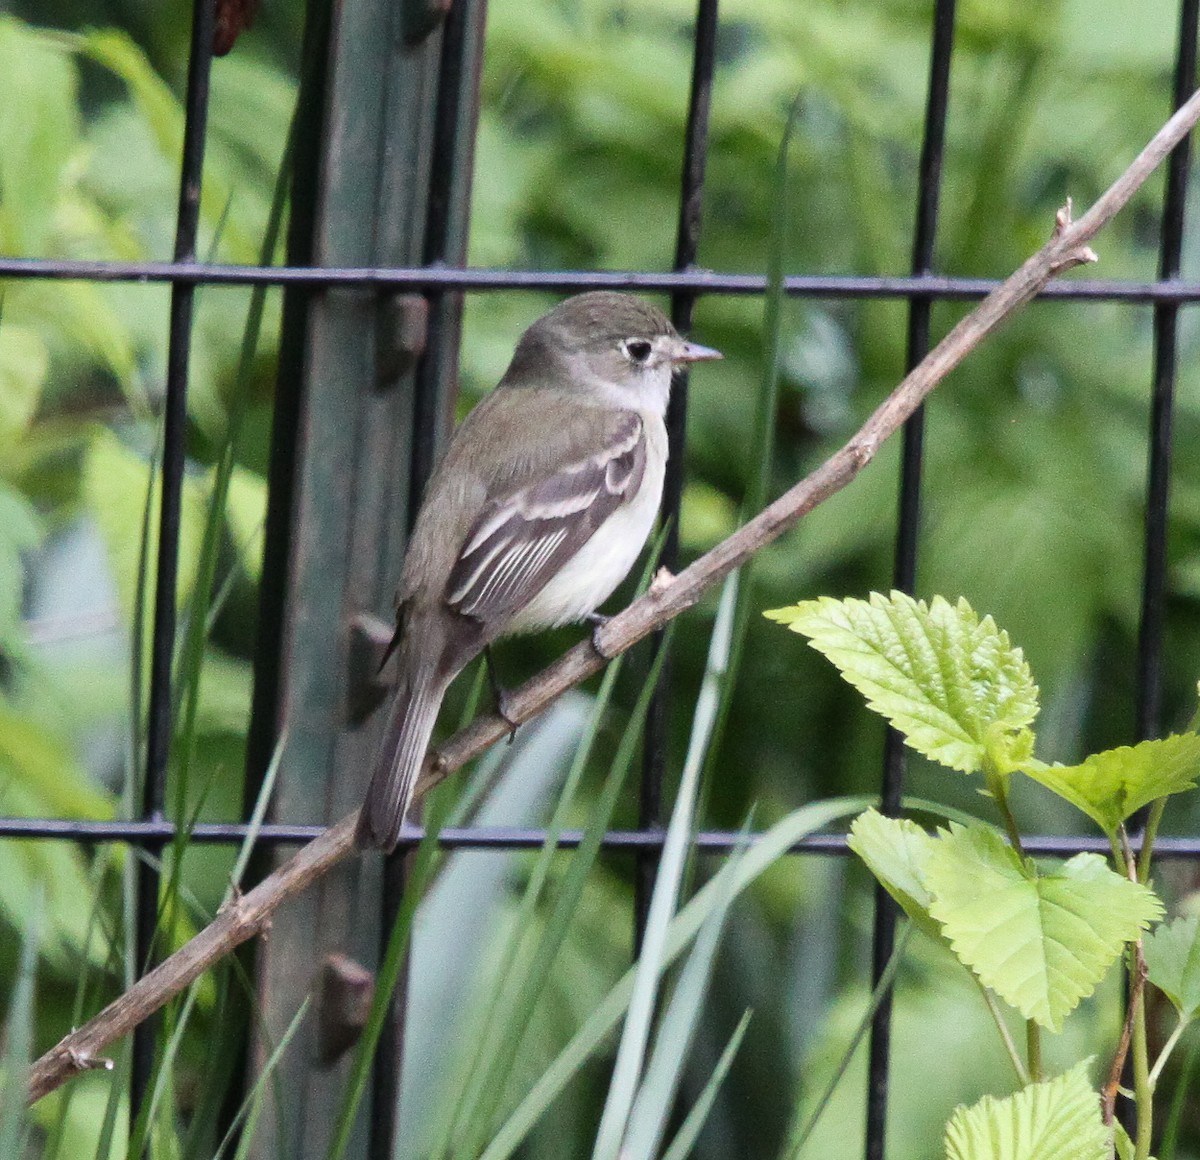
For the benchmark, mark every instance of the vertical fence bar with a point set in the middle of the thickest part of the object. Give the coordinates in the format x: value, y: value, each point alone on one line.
x: 924, y: 235
x: 355, y: 415
x: 1148, y: 700
x: 158, y: 734
x: 263, y: 731
x: 455, y: 118
x: 1149, y: 707
x: 687, y: 241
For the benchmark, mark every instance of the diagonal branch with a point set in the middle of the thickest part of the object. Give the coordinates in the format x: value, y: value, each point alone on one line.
x: 248, y: 915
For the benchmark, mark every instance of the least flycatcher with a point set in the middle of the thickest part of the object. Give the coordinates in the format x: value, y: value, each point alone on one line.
x: 538, y: 510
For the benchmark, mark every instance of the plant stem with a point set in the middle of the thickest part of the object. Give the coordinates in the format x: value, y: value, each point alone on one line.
x: 997, y: 784
x: 1148, y: 835
x: 1165, y: 1054
x: 1109, y: 1092
x: 1143, y: 1091
x: 1170, y: 1138
x: 1118, y: 855
x: 1033, y: 1049
x: 1006, y: 1038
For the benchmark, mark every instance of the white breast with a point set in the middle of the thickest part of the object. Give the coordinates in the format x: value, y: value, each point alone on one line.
x: 589, y: 577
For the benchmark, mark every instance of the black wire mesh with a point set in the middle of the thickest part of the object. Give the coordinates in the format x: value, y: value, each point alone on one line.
x: 162, y: 654
x: 904, y: 577
x: 684, y: 284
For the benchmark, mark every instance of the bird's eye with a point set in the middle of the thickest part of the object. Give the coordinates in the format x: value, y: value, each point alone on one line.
x: 638, y: 349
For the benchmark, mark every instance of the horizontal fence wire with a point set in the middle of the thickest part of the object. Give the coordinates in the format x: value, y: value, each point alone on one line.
x: 699, y: 282
x: 500, y: 838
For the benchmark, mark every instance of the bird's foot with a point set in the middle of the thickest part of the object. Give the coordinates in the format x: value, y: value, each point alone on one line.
x: 500, y: 697
x: 598, y: 620
x: 502, y: 711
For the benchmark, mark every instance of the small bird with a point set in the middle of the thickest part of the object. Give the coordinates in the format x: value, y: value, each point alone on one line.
x: 541, y: 504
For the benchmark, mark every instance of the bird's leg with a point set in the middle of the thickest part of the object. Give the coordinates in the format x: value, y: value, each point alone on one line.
x: 499, y: 694
x: 598, y: 620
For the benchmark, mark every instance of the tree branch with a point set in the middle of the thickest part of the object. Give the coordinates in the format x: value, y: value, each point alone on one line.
x: 248, y: 915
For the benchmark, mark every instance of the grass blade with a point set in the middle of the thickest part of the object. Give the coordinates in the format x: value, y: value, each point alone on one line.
x: 673, y: 1042
x: 1179, y: 1102
x: 387, y: 977
x: 100, y: 866
x: 734, y: 876
x: 498, y: 1005
x: 499, y: 1019
x: 762, y: 440
x: 18, y: 1037
x: 685, y: 1139
x: 252, y: 1106
x: 500, y: 1065
x: 632, y: 1049
x: 800, y: 1132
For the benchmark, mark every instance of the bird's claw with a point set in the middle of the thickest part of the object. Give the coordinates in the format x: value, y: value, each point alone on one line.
x: 500, y: 696
x: 502, y: 711
x: 598, y: 620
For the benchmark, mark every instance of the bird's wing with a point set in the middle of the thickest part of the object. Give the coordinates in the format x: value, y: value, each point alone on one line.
x: 521, y: 539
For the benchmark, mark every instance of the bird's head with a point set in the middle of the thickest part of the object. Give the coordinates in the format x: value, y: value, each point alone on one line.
x: 611, y: 347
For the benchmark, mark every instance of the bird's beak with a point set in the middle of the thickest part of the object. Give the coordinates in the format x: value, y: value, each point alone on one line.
x: 690, y: 352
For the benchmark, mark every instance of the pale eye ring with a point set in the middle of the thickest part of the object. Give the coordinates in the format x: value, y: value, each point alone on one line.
x: 637, y: 349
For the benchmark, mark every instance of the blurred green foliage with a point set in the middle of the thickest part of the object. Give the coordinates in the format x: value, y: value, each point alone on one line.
x: 1036, y: 447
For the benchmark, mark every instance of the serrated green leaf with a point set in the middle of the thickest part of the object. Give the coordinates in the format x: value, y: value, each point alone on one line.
x: 1040, y: 941
x: 895, y: 851
x: 1056, y: 1120
x: 1173, y: 963
x: 1112, y: 785
x: 951, y: 683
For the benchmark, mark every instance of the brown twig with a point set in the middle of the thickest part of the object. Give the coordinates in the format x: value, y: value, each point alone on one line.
x: 1123, y: 854
x: 1067, y: 247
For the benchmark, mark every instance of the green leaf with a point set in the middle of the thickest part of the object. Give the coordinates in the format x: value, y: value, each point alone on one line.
x: 117, y: 52
x: 116, y: 480
x: 1056, y: 1120
x: 24, y: 363
x: 39, y: 125
x: 895, y: 850
x: 1112, y: 785
x: 1040, y: 941
x: 41, y: 764
x: 20, y: 530
x: 950, y: 682
x: 1173, y: 963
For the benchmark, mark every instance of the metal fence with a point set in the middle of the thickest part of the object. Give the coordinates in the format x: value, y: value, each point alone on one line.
x: 439, y: 275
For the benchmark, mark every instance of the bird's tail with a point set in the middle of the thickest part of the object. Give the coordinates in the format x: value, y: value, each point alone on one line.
x: 401, y: 753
